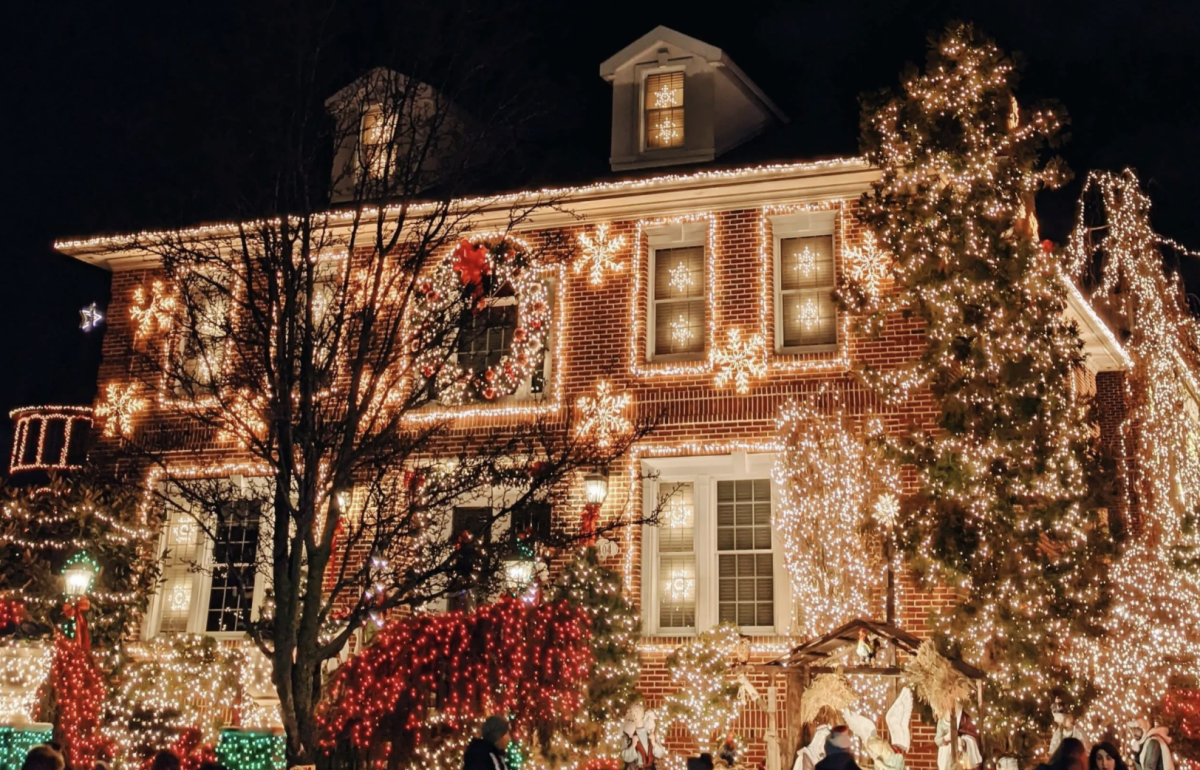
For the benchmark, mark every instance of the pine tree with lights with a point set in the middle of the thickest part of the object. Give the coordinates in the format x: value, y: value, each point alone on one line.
x: 1009, y: 492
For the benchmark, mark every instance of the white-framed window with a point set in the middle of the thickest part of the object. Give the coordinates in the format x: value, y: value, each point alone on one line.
x: 212, y: 585
x: 805, y: 278
x: 662, y: 110
x: 485, y: 337
x: 714, y: 556
x: 376, y: 140
x: 678, y: 306
x: 204, y: 333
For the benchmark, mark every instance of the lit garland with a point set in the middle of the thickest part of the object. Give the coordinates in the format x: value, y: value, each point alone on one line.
x: 603, y: 416
x: 119, y: 408
x: 828, y: 481
x: 740, y: 360
x: 480, y: 271
x: 1154, y: 622
x: 27, y: 417
x: 599, y: 254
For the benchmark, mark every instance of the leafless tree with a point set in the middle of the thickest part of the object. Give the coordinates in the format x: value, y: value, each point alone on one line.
x: 317, y: 341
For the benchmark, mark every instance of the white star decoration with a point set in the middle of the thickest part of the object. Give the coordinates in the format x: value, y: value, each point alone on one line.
x: 599, y: 254
x: 118, y: 409
x: 603, y: 416
x: 667, y: 131
x: 806, y: 261
x: 681, y: 278
x: 868, y: 265
x: 740, y: 361
x: 91, y: 317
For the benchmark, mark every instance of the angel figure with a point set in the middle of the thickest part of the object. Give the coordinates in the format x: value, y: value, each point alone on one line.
x: 887, y: 755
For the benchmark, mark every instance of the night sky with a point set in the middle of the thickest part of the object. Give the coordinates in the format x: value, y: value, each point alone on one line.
x: 121, y: 116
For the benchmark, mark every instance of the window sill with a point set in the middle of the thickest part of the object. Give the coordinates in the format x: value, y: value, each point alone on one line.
x: 800, y: 350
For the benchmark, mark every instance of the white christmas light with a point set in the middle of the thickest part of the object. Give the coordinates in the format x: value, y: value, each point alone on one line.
x: 599, y: 254
x: 740, y: 360
x: 90, y: 317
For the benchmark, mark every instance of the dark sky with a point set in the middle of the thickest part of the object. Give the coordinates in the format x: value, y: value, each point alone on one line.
x: 124, y: 115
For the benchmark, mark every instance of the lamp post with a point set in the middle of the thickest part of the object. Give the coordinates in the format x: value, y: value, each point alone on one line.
x: 595, y: 492
x: 79, y: 573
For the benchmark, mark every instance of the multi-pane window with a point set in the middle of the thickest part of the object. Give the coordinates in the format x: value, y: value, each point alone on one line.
x: 745, y: 562
x: 183, y: 547
x: 234, y: 563
x: 486, y: 336
x: 677, y: 556
x: 204, y: 333
x: 475, y: 529
x: 664, y: 110
x: 678, y: 302
x: 806, y: 282
x: 377, y: 134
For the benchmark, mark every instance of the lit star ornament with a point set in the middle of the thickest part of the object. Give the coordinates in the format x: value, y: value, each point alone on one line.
x: 604, y: 416
x: 740, y: 360
x: 119, y: 408
x: 90, y: 317
x: 868, y: 265
x: 599, y: 254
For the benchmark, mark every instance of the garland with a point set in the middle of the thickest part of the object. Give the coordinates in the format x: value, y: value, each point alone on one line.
x: 470, y: 281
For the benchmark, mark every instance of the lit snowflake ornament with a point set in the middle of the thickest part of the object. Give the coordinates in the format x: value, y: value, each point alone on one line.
x: 599, y: 254
x: 681, y: 278
x: 153, y: 310
x: 681, y: 331
x: 868, y: 265
x: 740, y: 360
x: 886, y: 510
x: 119, y: 408
x: 604, y: 418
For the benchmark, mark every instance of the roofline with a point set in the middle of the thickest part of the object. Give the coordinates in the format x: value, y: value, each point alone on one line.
x: 666, y: 194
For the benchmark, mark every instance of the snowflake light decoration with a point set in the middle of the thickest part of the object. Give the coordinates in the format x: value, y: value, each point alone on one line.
x: 599, y: 254
x: 680, y: 587
x: 681, y: 331
x: 678, y: 514
x: 886, y: 509
x: 604, y: 415
x: 667, y: 131
x: 741, y: 360
x: 868, y: 265
x: 806, y: 262
x: 153, y: 311
x: 808, y: 313
x: 664, y: 97
x: 119, y: 408
x: 681, y: 278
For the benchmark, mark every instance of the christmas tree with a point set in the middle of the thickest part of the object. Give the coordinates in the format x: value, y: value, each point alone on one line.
x: 1007, y: 504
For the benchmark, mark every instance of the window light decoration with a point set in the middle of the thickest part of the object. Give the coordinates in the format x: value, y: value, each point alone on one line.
x: 740, y: 360
x: 119, y: 408
x: 599, y: 254
x: 681, y: 278
x: 603, y: 415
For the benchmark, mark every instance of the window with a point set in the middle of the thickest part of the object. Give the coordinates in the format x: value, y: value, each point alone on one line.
x: 209, y: 587
x: 486, y: 336
x: 664, y: 110
x: 205, y: 331
x: 805, y: 313
x: 375, y: 143
x: 475, y: 527
x: 713, y: 556
x: 678, y: 306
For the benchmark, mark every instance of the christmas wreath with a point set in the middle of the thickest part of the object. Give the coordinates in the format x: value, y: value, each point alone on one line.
x: 474, y: 278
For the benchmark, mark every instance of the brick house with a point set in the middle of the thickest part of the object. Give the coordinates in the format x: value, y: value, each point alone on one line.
x: 705, y: 250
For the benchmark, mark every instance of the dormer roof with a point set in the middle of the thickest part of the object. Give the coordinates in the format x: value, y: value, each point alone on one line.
x: 661, y: 35
x: 709, y: 105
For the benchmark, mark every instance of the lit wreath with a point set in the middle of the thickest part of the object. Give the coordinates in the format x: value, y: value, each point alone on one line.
x: 469, y: 281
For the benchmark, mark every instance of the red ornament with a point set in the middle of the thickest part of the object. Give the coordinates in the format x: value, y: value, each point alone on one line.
x: 1047, y: 246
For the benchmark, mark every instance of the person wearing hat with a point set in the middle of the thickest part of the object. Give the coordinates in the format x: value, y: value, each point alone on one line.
x: 487, y: 751
x: 837, y: 751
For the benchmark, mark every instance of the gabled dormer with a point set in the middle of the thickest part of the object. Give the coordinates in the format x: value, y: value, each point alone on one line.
x: 392, y: 135
x: 679, y: 100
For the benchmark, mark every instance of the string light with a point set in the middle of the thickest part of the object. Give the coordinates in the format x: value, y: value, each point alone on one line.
x: 152, y: 311
x: 740, y: 360
x: 603, y: 416
x: 868, y: 266
x: 702, y: 698
x: 599, y: 254
x: 31, y: 418
x: 119, y: 408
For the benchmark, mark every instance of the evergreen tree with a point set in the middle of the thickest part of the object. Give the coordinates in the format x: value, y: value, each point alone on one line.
x: 1008, y: 496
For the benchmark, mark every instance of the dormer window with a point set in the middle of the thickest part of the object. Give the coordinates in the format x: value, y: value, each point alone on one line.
x: 378, y: 132
x: 664, y: 110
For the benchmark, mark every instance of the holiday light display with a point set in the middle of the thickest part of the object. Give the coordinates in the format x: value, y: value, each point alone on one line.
x: 79, y: 694
x: 24, y: 668
x: 15, y: 743
x: 740, y: 360
x: 603, y: 416
x: 90, y: 318
x: 241, y: 750
x: 119, y: 408
x: 954, y: 208
x: 151, y: 311
x: 868, y: 266
x: 1154, y: 622
x: 704, y: 700
x: 486, y: 271
x: 39, y: 418
x: 826, y: 478
x: 599, y: 254
x: 431, y: 672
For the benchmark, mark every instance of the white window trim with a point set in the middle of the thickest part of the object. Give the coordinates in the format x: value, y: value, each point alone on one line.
x: 676, y: 236
x: 704, y: 472
x: 798, y: 225
x: 643, y: 74
x: 202, y: 581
